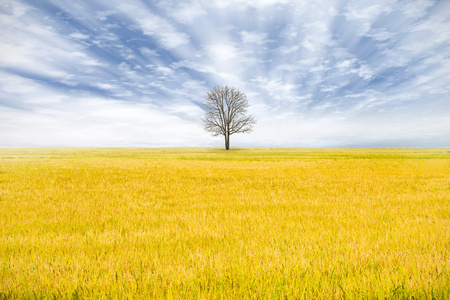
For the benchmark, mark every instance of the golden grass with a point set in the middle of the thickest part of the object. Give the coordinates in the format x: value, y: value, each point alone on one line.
x: 250, y: 223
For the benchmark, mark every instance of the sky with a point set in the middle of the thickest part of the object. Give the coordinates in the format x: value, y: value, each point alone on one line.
x: 134, y: 73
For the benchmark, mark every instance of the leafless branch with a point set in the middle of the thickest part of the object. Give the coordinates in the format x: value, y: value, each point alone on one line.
x: 226, y: 109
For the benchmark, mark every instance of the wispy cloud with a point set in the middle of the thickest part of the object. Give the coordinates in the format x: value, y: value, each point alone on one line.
x: 155, y: 26
x: 253, y: 37
x: 187, y: 13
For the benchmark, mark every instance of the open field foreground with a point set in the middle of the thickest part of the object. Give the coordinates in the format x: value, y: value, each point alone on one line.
x: 206, y: 223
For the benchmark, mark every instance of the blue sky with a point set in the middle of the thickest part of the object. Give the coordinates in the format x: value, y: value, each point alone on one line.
x: 134, y: 73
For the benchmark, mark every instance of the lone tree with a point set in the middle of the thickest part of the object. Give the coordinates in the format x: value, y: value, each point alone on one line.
x: 226, y: 109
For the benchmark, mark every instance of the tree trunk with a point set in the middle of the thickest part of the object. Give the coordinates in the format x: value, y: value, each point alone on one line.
x: 227, y: 142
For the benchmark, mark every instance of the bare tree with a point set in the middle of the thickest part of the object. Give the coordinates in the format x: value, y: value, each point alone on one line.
x: 226, y: 109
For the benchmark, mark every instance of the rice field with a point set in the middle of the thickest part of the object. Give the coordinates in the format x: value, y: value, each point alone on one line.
x: 205, y: 223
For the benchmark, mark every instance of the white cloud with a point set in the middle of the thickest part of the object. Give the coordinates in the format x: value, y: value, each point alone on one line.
x: 187, y: 13
x: 103, y: 15
x: 198, y: 67
x: 438, y: 28
x: 277, y: 89
x: 242, y: 4
x: 366, y: 13
x: 367, y: 10
x: 31, y: 43
x: 345, y: 64
x: 284, y: 50
x: 253, y: 37
x: 222, y: 51
x: 290, y: 32
x: 148, y: 52
x: 96, y: 122
x: 127, y: 70
x: 14, y: 84
x: 15, y: 8
x: 79, y: 36
x: 105, y: 86
x: 161, y: 70
x: 380, y: 34
x: 415, y: 9
x: 365, y: 72
x: 84, y: 59
x: 156, y: 26
x: 194, y: 85
x: 329, y: 88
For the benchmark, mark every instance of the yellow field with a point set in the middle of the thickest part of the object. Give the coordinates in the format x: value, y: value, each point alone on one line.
x: 213, y: 224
